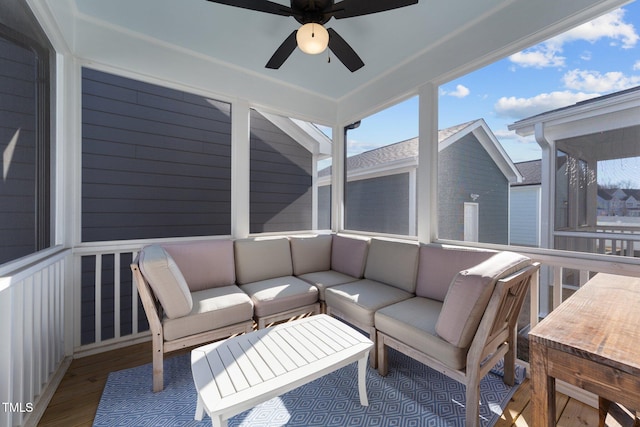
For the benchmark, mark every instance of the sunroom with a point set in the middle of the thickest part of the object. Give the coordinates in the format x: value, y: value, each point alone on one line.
x: 131, y: 123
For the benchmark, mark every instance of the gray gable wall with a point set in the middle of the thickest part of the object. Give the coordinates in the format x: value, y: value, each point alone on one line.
x: 465, y: 168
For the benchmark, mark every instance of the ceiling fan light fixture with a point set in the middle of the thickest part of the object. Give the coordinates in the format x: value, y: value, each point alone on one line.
x: 312, y: 38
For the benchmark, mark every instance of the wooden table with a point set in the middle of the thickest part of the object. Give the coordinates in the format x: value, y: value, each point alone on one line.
x: 592, y: 341
x: 236, y: 374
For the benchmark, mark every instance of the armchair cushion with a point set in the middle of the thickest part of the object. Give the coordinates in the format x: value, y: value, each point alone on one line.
x: 360, y: 300
x: 438, y: 265
x: 166, y: 280
x: 258, y: 260
x: 349, y: 255
x: 325, y: 279
x: 213, y: 308
x: 280, y: 294
x: 469, y: 295
x: 393, y: 263
x: 413, y: 322
x: 310, y: 254
x: 204, y: 264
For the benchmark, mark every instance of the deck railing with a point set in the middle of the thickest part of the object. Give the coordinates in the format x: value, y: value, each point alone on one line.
x: 109, y: 275
x: 51, y: 303
x: 33, y: 332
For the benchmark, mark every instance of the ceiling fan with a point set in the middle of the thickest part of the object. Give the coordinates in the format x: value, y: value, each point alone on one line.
x: 312, y: 37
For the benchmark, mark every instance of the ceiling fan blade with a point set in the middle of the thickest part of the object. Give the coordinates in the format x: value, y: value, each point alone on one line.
x: 283, y: 52
x: 343, y: 51
x: 350, y: 8
x: 260, y: 6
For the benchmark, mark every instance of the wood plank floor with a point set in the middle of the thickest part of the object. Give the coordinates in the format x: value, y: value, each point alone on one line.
x: 76, y: 400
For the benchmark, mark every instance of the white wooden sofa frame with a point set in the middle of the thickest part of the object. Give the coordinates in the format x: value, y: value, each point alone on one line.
x: 495, y: 338
x: 154, y: 313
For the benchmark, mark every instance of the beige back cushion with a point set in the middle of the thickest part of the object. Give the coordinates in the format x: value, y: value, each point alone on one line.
x: 262, y: 259
x: 166, y: 281
x: 310, y: 254
x: 439, y: 265
x: 205, y: 264
x: 469, y: 295
x: 349, y: 255
x: 393, y: 263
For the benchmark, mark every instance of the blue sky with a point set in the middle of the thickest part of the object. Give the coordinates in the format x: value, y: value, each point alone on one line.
x: 596, y: 58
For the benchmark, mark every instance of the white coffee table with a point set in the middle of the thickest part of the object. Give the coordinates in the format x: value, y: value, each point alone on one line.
x: 239, y: 373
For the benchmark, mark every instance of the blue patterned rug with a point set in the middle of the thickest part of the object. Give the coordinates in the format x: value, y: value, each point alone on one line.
x: 410, y: 395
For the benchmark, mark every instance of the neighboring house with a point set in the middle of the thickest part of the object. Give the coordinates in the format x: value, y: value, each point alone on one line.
x: 595, y: 130
x: 604, y: 203
x: 524, y: 217
x: 622, y: 202
x: 473, y: 198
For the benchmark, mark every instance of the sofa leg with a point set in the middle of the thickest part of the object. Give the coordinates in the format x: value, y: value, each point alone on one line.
x: 510, y: 359
x: 373, y: 355
x: 383, y: 366
x: 158, y: 363
x: 473, y: 405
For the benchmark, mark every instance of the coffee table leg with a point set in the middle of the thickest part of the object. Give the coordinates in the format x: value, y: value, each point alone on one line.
x: 362, y: 380
x: 199, y: 409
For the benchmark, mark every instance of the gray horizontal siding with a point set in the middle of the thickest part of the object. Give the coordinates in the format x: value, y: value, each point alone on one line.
x: 17, y: 143
x: 280, y: 180
x: 156, y: 162
x: 378, y: 204
x: 324, y: 207
x: 465, y: 168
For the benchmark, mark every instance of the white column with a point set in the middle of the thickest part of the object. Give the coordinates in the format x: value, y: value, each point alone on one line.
x: 240, y: 168
x: 427, y: 182
x: 337, y: 179
x: 547, y: 211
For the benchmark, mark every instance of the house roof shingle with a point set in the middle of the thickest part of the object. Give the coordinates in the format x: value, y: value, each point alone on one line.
x: 531, y: 172
x: 393, y: 152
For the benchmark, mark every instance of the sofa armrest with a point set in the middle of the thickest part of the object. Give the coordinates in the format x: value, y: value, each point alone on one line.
x: 152, y: 307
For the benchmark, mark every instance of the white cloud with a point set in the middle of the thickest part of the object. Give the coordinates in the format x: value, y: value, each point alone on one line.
x: 636, y: 66
x: 549, y: 54
x: 460, y: 92
x: 506, y: 134
x: 356, y: 147
x: 594, y: 81
x: 540, y: 56
x: 519, y: 108
x: 610, y: 26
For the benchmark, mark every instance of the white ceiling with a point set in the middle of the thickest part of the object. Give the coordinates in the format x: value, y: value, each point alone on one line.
x: 223, y: 49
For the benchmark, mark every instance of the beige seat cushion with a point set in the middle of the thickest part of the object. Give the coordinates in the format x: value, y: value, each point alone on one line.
x: 413, y: 322
x: 310, y: 254
x: 349, y: 255
x: 212, y: 309
x: 205, y: 264
x: 325, y: 279
x: 394, y: 263
x: 439, y: 265
x: 166, y: 281
x: 469, y: 295
x: 258, y: 259
x: 280, y: 294
x: 359, y: 300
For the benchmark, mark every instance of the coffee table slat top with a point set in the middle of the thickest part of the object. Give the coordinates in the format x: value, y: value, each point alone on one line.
x: 237, y: 372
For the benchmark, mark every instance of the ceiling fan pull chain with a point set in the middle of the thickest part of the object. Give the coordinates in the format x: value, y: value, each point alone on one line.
x: 328, y: 56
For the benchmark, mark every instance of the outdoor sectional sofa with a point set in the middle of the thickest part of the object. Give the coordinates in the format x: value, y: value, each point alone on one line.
x: 453, y: 309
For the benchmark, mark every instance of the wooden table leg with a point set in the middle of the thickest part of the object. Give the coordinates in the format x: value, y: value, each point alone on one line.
x: 543, y: 394
x: 603, y: 410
